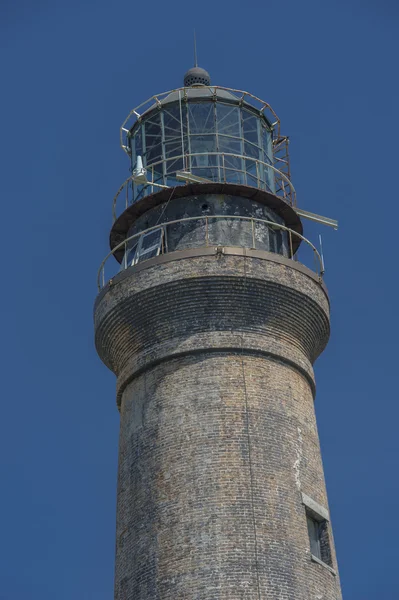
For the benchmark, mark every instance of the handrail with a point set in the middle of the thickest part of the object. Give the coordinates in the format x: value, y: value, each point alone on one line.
x: 213, y: 89
x: 223, y: 154
x: 291, y: 232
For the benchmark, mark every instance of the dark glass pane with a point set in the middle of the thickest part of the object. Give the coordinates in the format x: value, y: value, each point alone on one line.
x: 201, y: 117
x: 201, y: 145
x: 267, y: 144
x: 232, y: 162
x: 251, y: 150
x: 172, y: 123
x: 150, y: 239
x: 207, y: 172
x: 137, y: 141
x: 272, y: 240
x: 172, y: 181
x: 230, y: 145
x: 149, y: 245
x: 158, y: 174
x: 313, y: 529
x: 138, y: 192
x: 252, y: 181
x: 153, y: 139
x: 267, y: 176
x: 153, y: 125
x: 153, y: 154
x: 176, y: 164
x: 251, y: 168
x: 173, y: 149
x: 263, y: 174
x: 325, y: 549
x: 130, y: 256
x: 250, y: 127
x: 234, y: 176
x: 228, y: 120
x: 148, y: 254
x: 128, y: 259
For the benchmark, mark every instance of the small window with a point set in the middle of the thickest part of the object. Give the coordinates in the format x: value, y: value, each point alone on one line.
x: 129, y: 257
x: 150, y: 245
x: 319, y: 538
x: 275, y: 239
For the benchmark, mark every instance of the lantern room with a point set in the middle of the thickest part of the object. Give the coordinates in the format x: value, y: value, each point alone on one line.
x: 212, y: 133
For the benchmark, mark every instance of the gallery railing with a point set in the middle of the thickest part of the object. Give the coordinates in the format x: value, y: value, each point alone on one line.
x: 221, y: 167
x: 154, y: 241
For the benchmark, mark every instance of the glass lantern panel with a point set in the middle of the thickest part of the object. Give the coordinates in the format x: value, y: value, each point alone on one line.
x: 267, y: 144
x: 172, y: 123
x: 136, y: 143
x: 201, y: 117
x: 173, y: 148
x: 129, y: 257
x: 234, y: 176
x: 233, y: 162
x: 228, y: 120
x: 201, y: 145
x: 252, y: 181
x: 153, y: 139
x: 250, y: 166
x: 173, y: 156
x: 138, y: 191
x: 229, y: 145
x: 250, y: 127
x: 253, y: 151
x: 153, y: 154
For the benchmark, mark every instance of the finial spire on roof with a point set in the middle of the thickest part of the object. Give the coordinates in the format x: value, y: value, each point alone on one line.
x: 195, y: 50
x: 196, y: 76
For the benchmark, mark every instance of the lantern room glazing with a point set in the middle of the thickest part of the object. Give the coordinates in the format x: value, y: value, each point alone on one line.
x: 207, y: 132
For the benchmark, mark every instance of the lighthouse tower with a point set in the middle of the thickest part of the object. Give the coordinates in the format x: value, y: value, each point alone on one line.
x: 211, y: 312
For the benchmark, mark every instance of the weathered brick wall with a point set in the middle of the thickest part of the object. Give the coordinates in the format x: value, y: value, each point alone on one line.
x: 218, y: 433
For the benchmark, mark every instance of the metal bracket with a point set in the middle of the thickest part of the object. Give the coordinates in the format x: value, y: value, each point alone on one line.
x: 187, y: 176
x: 317, y: 218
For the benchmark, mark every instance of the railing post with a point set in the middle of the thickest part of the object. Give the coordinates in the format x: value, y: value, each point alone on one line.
x: 165, y: 244
x: 291, y: 248
x: 206, y: 232
x: 253, y: 233
x: 224, y: 169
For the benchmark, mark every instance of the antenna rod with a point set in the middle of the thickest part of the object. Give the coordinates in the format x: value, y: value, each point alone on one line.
x: 195, y: 51
x: 321, y: 253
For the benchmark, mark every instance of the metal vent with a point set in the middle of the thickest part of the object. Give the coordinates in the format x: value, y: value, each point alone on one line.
x: 196, y: 76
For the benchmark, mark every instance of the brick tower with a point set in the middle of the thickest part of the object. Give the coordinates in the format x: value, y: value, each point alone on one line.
x: 211, y: 318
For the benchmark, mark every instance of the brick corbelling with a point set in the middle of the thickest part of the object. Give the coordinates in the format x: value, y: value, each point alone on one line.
x: 212, y: 299
x: 261, y: 265
x: 192, y: 306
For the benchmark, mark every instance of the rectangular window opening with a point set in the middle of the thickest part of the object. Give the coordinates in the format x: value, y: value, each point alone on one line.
x: 150, y: 244
x: 319, y: 537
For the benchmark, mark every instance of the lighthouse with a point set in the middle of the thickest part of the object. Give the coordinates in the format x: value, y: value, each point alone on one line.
x: 212, y: 309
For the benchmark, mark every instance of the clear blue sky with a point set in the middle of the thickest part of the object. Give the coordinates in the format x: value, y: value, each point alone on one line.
x: 71, y: 71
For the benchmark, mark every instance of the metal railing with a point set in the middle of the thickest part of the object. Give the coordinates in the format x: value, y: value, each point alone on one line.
x: 318, y: 264
x: 280, y: 143
x: 221, y: 172
x: 241, y: 97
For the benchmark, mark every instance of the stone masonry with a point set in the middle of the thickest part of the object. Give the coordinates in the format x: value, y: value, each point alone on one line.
x: 213, y: 351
